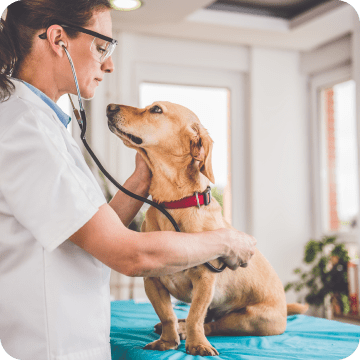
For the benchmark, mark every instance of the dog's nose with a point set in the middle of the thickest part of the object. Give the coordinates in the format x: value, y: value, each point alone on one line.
x: 112, y: 109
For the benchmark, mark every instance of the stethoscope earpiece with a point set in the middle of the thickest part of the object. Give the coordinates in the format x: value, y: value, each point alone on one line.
x: 61, y: 43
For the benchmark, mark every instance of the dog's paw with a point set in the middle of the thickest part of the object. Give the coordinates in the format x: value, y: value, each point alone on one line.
x: 202, y: 348
x: 181, y: 328
x: 162, y: 345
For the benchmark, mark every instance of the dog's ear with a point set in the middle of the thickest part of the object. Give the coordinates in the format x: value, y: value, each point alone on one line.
x: 201, y: 146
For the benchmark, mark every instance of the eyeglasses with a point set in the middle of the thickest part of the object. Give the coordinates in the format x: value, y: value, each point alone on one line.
x: 102, y: 46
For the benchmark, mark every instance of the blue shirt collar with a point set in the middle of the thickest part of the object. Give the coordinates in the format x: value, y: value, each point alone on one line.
x: 64, y: 118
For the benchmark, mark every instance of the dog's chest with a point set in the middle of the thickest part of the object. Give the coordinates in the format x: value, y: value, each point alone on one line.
x: 178, y: 285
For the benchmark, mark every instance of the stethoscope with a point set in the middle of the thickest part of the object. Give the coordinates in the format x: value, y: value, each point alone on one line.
x: 81, y: 119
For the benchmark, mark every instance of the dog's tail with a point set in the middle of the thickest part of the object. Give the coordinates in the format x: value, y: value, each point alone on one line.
x: 293, y: 309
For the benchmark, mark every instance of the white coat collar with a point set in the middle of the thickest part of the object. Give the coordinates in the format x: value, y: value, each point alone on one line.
x: 23, y: 92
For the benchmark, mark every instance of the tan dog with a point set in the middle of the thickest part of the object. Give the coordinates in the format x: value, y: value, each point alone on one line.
x: 248, y: 301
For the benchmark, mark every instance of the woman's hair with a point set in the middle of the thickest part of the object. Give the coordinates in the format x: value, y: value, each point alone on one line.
x: 24, y: 18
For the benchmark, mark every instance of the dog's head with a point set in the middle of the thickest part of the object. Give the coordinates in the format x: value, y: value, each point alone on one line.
x: 169, y: 137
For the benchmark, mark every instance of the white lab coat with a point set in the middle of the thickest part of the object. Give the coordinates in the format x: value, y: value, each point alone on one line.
x: 54, y: 296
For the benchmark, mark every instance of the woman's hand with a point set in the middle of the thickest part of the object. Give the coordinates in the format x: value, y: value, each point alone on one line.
x: 241, y: 247
x: 142, y: 172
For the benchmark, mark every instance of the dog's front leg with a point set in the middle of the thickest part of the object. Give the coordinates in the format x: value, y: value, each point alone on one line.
x: 203, y: 291
x: 160, y: 300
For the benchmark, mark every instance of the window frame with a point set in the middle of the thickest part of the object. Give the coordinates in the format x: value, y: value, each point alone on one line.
x: 318, y: 83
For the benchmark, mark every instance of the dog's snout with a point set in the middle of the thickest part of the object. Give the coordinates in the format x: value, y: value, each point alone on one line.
x: 112, y: 109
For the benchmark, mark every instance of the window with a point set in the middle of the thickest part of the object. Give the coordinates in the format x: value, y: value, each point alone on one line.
x: 211, y: 105
x: 339, y: 163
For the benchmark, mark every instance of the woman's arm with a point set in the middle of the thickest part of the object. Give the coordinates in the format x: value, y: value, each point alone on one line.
x: 139, y: 182
x: 158, y: 253
x: 125, y: 206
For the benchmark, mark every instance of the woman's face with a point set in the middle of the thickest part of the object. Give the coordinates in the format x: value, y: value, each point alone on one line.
x: 88, y: 68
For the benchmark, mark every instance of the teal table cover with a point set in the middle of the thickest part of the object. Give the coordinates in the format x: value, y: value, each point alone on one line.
x: 305, y: 338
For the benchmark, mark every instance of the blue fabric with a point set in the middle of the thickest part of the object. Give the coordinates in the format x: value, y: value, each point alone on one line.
x: 64, y: 118
x: 305, y: 338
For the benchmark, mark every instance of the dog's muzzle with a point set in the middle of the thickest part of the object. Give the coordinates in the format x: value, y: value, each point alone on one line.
x: 112, y: 109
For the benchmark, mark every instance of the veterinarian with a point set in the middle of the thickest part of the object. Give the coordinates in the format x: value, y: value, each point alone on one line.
x: 58, y: 236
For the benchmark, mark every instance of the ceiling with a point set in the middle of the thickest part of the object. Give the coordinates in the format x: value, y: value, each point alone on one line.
x: 300, y: 25
x: 286, y: 9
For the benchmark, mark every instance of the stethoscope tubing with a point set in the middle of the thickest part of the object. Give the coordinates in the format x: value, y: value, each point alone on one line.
x: 103, y: 170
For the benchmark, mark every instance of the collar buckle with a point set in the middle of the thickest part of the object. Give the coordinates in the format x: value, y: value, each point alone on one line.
x: 207, y: 196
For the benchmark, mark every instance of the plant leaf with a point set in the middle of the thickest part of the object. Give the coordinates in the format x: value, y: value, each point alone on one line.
x: 311, y: 250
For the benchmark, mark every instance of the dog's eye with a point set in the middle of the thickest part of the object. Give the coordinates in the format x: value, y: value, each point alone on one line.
x: 156, y: 109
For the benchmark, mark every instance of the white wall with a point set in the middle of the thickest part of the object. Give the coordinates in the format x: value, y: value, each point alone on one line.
x: 279, y: 159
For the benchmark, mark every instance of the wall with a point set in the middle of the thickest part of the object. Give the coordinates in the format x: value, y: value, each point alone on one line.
x: 279, y: 158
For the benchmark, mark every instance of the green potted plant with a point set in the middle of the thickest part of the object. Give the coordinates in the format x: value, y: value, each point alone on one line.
x: 327, y: 276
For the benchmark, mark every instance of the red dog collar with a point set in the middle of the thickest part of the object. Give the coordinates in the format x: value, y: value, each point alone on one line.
x: 195, y: 200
